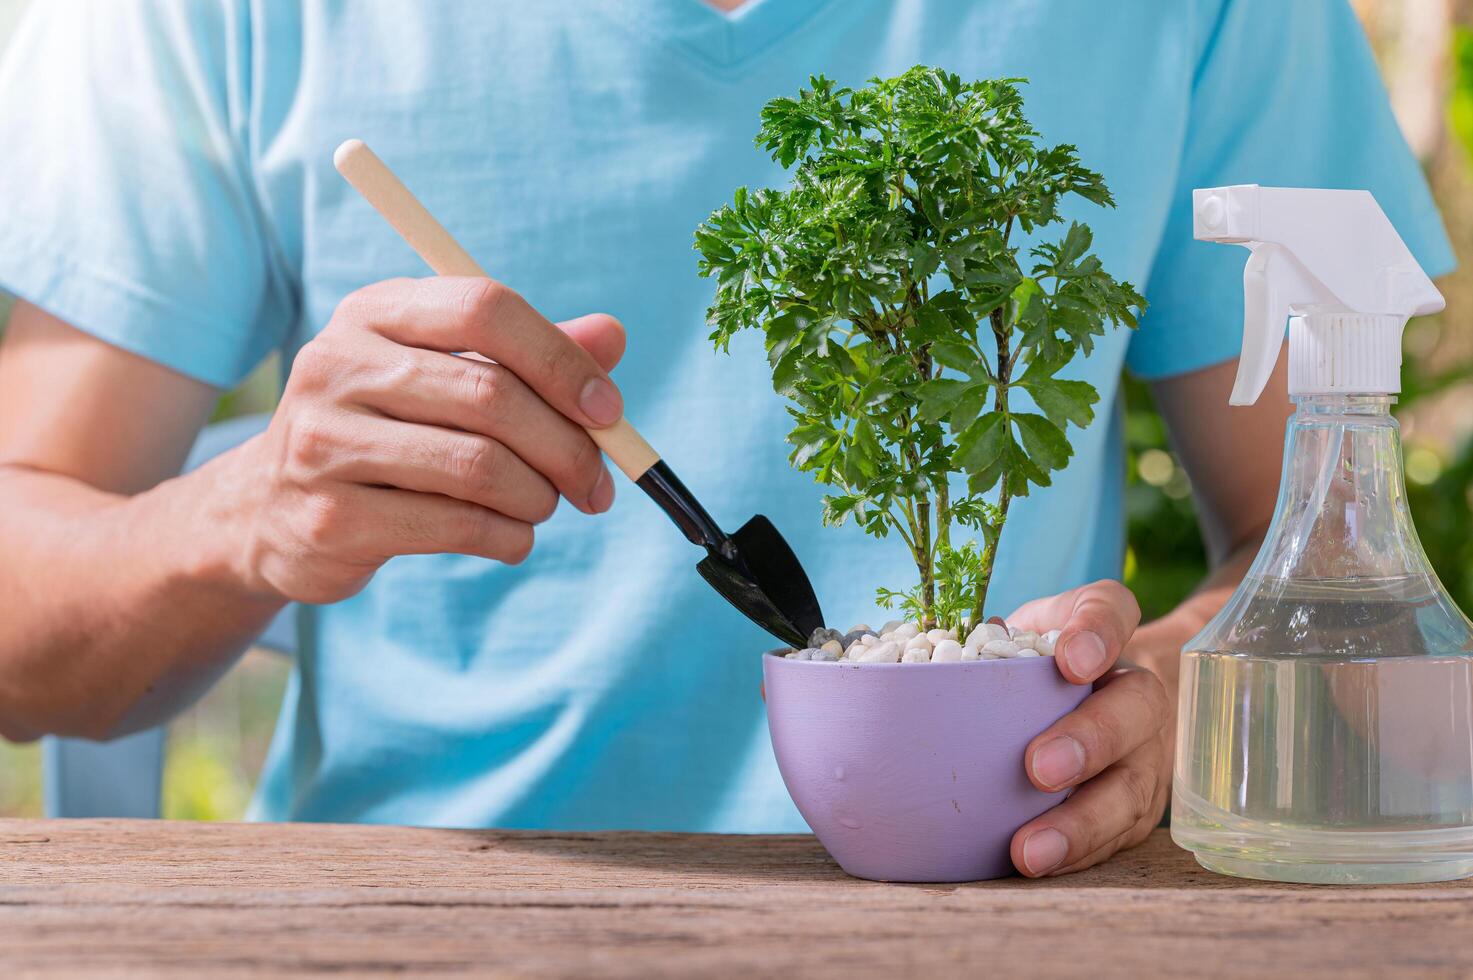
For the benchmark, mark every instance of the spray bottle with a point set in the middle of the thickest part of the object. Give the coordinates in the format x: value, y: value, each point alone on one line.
x: 1325, y: 731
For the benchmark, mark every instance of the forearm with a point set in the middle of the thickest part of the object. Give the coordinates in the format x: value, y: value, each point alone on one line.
x: 122, y: 597
x: 118, y: 610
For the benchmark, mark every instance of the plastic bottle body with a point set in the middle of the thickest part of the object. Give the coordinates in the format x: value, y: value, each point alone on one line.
x: 1325, y: 731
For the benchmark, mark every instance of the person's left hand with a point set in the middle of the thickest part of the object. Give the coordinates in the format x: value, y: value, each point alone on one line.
x: 1115, y: 747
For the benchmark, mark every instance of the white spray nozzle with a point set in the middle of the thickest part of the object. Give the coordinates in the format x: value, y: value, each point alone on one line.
x: 1333, y: 262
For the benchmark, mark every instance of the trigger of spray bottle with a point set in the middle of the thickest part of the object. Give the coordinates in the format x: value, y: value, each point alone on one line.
x: 1330, y: 265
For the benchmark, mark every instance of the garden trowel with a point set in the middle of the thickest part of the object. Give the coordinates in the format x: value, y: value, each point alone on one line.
x: 753, y: 569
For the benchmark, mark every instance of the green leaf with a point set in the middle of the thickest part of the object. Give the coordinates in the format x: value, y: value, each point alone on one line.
x: 939, y: 396
x: 1076, y: 243
x: 956, y: 356
x: 1044, y: 442
x: 782, y: 332
x: 1022, y: 295
x: 968, y: 406
x: 869, y: 447
x: 787, y: 371
x: 836, y: 509
x: 983, y: 442
x: 1065, y: 401
x: 924, y: 261
x: 842, y: 360
x: 808, y: 441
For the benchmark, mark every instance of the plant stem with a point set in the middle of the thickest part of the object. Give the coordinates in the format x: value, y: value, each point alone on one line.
x: 992, y: 532
x: 943, y: 516
x: 918, y: 515
x: 926, y: 564
x: 990, y: 535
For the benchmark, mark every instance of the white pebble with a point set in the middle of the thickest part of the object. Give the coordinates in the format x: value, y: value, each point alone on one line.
x: 791, y: 656
x: 832, y: 647
x: 889, y: 627
x: 1003, y: 649
x: 946, y: 652
x: 920, y: 640
x: 1046, y: 643
x: 905, y: 631
x: 1028, y: 652
x: 916, y: 655
x: 937, y: 635
x: 884, y: 653
x: 971, y: 652
x: 1025, y: 638
x: 987, y: 632
x: 854, y: 649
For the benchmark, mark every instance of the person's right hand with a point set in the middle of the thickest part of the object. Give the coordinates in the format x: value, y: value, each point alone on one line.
x: 385, y: 443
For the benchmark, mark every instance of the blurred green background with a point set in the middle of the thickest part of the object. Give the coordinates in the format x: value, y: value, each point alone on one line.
x: 1425, y: 48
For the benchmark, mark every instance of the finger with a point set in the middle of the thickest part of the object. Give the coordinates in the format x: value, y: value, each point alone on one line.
x: 599, y: 334
x: 403, y: 522
x: 1097, y: 820
x: 438, y: 389
x: 1129, y: 709
x: 452, y: 313
x: 432, y: 460
x: 1135, y: 835
x: 1094, y: 621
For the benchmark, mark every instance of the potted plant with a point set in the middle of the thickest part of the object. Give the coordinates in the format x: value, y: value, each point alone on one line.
x: 921, y: 348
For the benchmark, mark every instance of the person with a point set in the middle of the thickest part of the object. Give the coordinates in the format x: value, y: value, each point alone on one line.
x: 172, y: 217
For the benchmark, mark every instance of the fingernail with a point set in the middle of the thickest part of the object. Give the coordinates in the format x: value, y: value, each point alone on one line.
x: 1085, y: 654
x: 601, y: 402
x: 1058, y: 761
x: 1044, y: 850
x: 602, y: 497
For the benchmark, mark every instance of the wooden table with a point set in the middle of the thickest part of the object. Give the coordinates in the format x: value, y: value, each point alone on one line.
x: 152, y: 898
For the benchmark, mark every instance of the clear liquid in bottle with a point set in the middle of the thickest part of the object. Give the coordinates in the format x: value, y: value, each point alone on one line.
x: 1300, y: 767
x: 1325, y: 731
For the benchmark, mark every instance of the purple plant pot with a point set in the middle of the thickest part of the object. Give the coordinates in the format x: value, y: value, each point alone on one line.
x: 914, y: 772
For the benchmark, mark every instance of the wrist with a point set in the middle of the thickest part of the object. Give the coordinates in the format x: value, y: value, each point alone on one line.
x: 1157, y: 645
x: 213, y: 516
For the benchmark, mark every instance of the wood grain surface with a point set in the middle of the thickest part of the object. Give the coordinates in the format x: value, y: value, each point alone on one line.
x: 145, y: 898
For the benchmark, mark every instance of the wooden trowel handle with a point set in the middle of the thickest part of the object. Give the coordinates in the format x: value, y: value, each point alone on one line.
x: 372, y: 178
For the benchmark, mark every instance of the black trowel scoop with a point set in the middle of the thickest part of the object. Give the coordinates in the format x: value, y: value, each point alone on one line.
x: 754, y: 569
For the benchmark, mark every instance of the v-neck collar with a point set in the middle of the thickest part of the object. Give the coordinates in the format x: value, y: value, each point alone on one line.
x: 721, y: 42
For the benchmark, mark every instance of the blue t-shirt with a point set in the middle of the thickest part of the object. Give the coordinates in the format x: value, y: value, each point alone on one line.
x: 167, y: 185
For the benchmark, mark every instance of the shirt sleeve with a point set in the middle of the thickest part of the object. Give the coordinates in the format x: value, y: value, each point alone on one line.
x: 129, y: 206
x: 1285, y: 95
